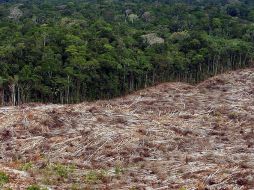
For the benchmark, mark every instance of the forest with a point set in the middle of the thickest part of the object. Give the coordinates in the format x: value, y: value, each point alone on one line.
x: 68, y: 51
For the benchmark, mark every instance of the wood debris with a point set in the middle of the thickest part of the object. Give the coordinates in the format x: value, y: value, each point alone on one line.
x: 170, y: 136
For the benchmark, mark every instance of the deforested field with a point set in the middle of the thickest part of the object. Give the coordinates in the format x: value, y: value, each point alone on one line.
x: 170, y: 136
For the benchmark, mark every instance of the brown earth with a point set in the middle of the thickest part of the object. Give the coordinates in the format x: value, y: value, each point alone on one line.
x: 171, y: 136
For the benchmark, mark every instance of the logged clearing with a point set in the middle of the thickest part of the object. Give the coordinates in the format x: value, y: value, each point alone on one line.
x: 171, y: 136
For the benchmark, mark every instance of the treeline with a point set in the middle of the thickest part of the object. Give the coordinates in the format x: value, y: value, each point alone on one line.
x: 70, y: 51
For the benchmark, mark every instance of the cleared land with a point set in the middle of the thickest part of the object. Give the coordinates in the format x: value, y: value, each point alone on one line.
x: 171, y: 136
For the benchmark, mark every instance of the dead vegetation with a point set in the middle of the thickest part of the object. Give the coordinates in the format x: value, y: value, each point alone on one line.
x: 171, y: 136
x: 15, y: 12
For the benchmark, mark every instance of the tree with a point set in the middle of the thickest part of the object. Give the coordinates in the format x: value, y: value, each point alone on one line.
x: 2, y: 81
x: 76, y: 51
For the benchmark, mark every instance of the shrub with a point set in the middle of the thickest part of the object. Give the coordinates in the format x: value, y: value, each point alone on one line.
x: 118, y: 170
x: 4, y: 178
x: 95, y: 176
x: 62, y: 170
x: 35, y: 187
x: 26, y: 166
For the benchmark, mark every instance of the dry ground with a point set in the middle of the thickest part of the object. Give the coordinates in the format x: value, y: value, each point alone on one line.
x: 171, y: 136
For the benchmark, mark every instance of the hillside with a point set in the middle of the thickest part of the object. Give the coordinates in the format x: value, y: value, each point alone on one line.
x: 171, y: 136
x: 72, y: 51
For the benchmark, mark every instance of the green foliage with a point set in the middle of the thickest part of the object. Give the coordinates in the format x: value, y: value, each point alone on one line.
x: 62, y: 170
x: 54, y: 173
x: 75, y: 187
x: 26, y: 166
x: 93, y: 177
x: 67, y: 52
x: 35, y: 187
x: 118, y: 170
x: 4, y: 178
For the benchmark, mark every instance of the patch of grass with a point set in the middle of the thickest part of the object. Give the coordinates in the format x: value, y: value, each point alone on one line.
x: 35, y: 187
x: 216, y: 113
x: 94, y: 177
x: 4, y: 178
x: 26, y: 166
x: 233, y: 115
x: 62, y: 170
x: 118, y: 170
x: 75, y: 187
x: 53, y: 173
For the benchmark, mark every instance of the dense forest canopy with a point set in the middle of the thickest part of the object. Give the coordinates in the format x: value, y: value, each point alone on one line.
x: 67, y: 51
